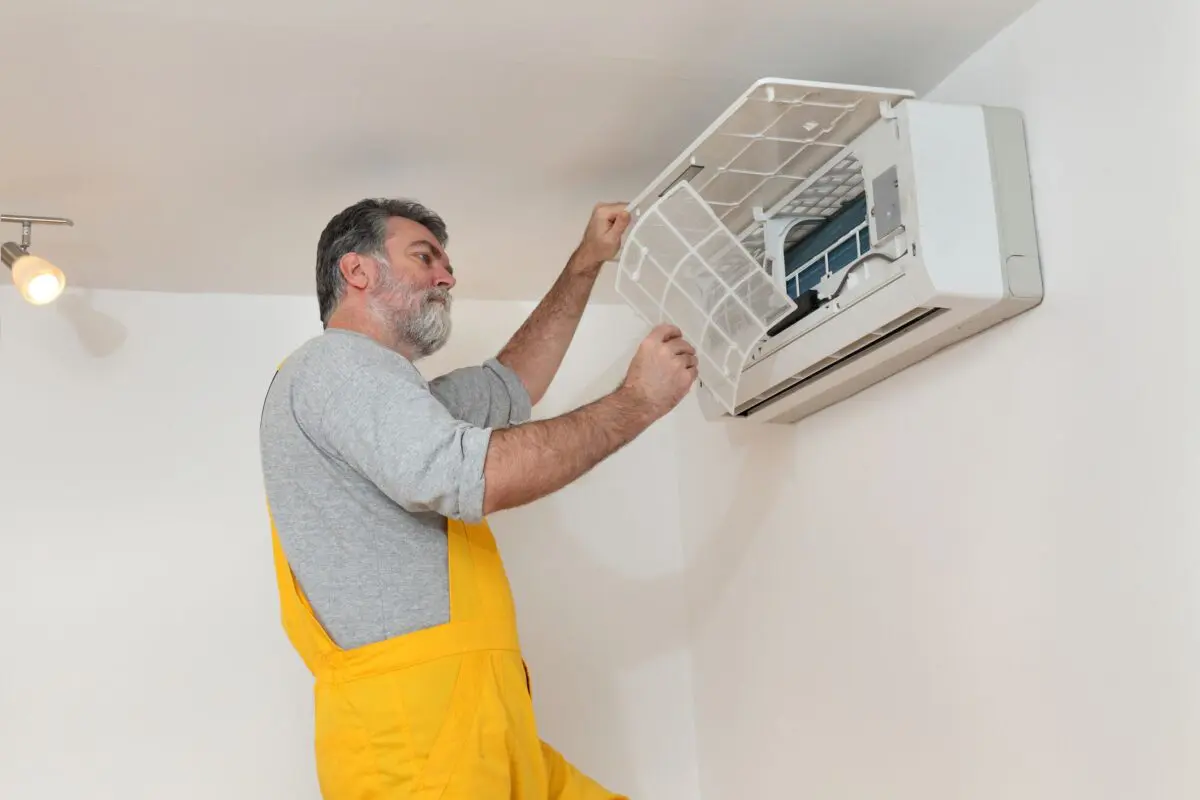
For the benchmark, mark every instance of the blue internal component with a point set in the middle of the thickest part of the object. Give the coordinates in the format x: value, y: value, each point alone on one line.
x: 840, y: 240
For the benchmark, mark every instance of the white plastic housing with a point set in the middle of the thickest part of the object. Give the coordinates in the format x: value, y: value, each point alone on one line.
x: 952, y: 239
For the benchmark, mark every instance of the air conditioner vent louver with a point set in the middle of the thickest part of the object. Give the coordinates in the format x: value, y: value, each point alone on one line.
x: 875, y: 339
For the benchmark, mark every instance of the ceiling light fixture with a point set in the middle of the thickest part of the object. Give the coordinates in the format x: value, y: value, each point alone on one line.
x: 39, y: 281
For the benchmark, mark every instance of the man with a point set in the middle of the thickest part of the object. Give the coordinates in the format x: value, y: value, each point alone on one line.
x: 379, y: 482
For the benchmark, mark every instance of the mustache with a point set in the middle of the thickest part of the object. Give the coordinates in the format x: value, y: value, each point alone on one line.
x: 437, y: 294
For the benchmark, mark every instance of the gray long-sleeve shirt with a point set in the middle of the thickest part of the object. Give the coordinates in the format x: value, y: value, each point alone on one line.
x: 363, y: 460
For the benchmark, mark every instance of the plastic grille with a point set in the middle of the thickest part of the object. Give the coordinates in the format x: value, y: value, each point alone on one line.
x: 682, y: 266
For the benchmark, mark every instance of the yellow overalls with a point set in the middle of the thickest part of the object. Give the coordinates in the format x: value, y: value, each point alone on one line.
x: 444, y: 712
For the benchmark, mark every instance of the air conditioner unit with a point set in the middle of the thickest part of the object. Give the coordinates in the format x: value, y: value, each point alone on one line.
x: 818, y: 238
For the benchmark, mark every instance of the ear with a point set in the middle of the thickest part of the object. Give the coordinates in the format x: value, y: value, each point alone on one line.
x: 355, y: 271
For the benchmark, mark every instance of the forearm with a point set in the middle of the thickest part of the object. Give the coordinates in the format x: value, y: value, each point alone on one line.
x: 533, y: 460
x: 536, y: 350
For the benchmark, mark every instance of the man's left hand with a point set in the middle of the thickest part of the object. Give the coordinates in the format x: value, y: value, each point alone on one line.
x: 602, y: 239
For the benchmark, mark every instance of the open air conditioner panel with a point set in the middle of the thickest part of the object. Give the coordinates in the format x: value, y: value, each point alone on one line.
x: 698, y: 255
x: 681, y: 265
x: 816, y: 239
x: 813, y: 251
x: 764, y: 148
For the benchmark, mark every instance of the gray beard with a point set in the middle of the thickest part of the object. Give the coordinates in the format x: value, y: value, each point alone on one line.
x: 426, y: 331
x: 422, y: 330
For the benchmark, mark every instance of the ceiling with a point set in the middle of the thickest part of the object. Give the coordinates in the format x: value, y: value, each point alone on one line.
x: 201, y: 145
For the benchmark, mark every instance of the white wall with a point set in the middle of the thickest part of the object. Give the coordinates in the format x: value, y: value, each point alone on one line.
x: 981, y: 579
x: 142, y: 653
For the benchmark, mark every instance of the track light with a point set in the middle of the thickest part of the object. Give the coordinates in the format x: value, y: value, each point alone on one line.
x: 39, y: 281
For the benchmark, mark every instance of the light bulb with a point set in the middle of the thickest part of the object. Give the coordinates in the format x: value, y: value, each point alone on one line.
x: 39, y: 281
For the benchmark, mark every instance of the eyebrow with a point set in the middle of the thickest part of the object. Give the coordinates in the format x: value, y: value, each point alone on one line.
x: 437, y: 251
x: 431, y: 245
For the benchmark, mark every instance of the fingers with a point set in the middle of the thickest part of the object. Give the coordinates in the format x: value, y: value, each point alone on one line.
x: 678, y: 348
x: 676, y: 344
x: 612, y: 215
x: 609, y: 210
x: 605, y: 230
x: 665, y: 332
x: 671, y: 336
x: 682, y: 347
x: 620, y: 221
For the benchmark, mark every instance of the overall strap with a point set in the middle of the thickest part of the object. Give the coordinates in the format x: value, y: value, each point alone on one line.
x: 482, y: 615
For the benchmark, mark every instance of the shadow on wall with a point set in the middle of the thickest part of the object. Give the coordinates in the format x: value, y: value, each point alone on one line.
x: 605, y: 606
x: 762, y: 452
x: 600, y: 634
x: 764, y: 455
x: 99, y: 334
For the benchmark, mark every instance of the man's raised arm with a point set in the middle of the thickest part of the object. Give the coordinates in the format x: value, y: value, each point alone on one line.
x: 536, y: 350
x: 533, y: 460
x: 381, y: 420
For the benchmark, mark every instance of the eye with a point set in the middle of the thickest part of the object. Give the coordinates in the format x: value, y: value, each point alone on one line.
x: 425, y: 258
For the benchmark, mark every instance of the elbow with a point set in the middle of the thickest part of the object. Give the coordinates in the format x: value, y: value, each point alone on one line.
x: 496, y: 501
x: 490, y: 506
x: 535, y: 390
x: 501, y: 477
x: 525, y: 378
x: 493, y: 491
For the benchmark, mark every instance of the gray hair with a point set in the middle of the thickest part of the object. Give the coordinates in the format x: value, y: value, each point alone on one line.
x: 362, y: 228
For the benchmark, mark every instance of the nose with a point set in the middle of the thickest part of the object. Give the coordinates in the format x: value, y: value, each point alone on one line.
x: 444, y: 278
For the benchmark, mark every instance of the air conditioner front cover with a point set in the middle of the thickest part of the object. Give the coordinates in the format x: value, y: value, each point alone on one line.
x: 694, y: 255
x: 681, y: 265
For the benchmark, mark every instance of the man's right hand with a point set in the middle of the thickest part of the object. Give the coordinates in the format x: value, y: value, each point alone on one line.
x: 663, y: 370
x: 525, y: 462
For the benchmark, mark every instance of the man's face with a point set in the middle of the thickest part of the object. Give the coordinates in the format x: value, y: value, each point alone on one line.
x: 412, y: 298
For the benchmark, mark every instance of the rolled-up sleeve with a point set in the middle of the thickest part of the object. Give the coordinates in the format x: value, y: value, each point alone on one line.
x: 388, y: 426
x: 490, y: 395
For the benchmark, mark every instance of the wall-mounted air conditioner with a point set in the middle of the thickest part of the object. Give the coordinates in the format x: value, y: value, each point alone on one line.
x: 817, y: 238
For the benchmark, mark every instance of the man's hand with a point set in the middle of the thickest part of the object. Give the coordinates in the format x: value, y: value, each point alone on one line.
x: 662, y: 371
x: 536, y: 350
x: 602, y: 238
x: 525, y: 462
